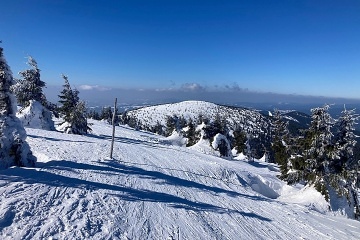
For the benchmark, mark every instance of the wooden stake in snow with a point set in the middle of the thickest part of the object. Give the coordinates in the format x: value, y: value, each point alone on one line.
x: 113, y: 132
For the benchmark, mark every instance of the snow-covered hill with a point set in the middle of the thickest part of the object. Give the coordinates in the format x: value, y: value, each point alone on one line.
x: 248, y: 120
x: 153, y: 190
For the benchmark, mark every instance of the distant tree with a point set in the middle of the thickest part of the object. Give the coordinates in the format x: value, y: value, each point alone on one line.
x: 68, y: 99
x: 248, y: 152
x: 106, y: 114
x: 93, y: 114
x: 215, y: 127
x: 171, y: 124
x: 222, y: 144
x: 14, y: 150
x: 192, y: 135
x: 239, y: 140
x: 72, y: 110
x: 158, y: 128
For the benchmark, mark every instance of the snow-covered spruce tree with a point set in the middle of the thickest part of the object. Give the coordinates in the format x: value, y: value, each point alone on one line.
x: 344, y: 168
x: 321, y: 150
x: 248, y: 152
x: 72, y: 110
x: 222, y: 144
x: 28, y: 91
x: 279, y: 145
x: 30, y: 86
x: 14, y: 150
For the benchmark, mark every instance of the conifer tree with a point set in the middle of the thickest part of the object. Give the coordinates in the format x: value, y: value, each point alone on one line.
x: 345, y: 166
x: 30, y: 86
x: 28, y: 90
x: 248, y: 150
x: 321, y: 149
x: 93, y: 114
x: 106, y: 114
x: 14, y: 150
x: 191, y: 134
x: 279, y: 146
x: 72, y: 110
x: 239, y: 140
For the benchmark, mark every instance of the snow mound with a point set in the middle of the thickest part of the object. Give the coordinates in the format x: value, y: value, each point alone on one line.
x: 204, y: 146
x: 307, y: 196
x: 263, y: 186
x: 36, y: 116
x: 177, y: 139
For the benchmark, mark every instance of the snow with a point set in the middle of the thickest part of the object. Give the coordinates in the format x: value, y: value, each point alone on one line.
x: 154, y: 190
x: 248, y: 120
x: 36, y: 116
x: 177, y: 139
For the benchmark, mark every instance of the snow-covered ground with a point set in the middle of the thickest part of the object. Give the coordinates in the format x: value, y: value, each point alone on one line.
x: 248, y: 120
x: 153, y: 190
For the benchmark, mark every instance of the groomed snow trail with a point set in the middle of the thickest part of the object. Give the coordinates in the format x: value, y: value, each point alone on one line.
x: 150, y: 190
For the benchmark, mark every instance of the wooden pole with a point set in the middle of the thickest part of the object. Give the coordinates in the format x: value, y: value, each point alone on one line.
x: 113, y: 132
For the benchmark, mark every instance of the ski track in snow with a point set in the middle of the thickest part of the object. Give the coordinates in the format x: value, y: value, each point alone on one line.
x: 150, y: 190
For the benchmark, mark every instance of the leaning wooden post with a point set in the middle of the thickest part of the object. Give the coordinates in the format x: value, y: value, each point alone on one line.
x: 113, y: 132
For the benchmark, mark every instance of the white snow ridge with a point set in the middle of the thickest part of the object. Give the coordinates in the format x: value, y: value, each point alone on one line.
x: 153, y: 189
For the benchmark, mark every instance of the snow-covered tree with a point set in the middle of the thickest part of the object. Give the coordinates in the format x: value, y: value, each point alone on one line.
x: 72, y: 110
x: 35, y: 115
x: 248, y: 151
x: 14, y: 149
x: 28, y: 91
x: 320, y: 151
x: 345, y: 166
x: 171, y: 124
x: 30, y: 86
x: 222, y: 144
x: 279, y: 145
x: 345, y: 141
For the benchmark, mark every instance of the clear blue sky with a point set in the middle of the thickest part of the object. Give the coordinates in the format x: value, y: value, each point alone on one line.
x: 305, y: 47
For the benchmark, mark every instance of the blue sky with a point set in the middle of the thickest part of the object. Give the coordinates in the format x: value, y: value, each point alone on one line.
x: 305, y: 47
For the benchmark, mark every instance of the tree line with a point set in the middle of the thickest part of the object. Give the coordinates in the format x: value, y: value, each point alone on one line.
x: 322, y: 155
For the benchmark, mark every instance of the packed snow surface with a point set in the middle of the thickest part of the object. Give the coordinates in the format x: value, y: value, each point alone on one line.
x: 153, y: 190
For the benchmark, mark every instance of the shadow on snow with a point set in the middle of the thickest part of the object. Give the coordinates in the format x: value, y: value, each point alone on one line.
x: 36, y: 175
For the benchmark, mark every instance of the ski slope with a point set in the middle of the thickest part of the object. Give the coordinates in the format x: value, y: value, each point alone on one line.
x: 153, y: 190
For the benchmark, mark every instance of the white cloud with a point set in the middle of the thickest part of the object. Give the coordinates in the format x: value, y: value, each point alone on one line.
x: 192, y: 87
x: 93, y: 87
